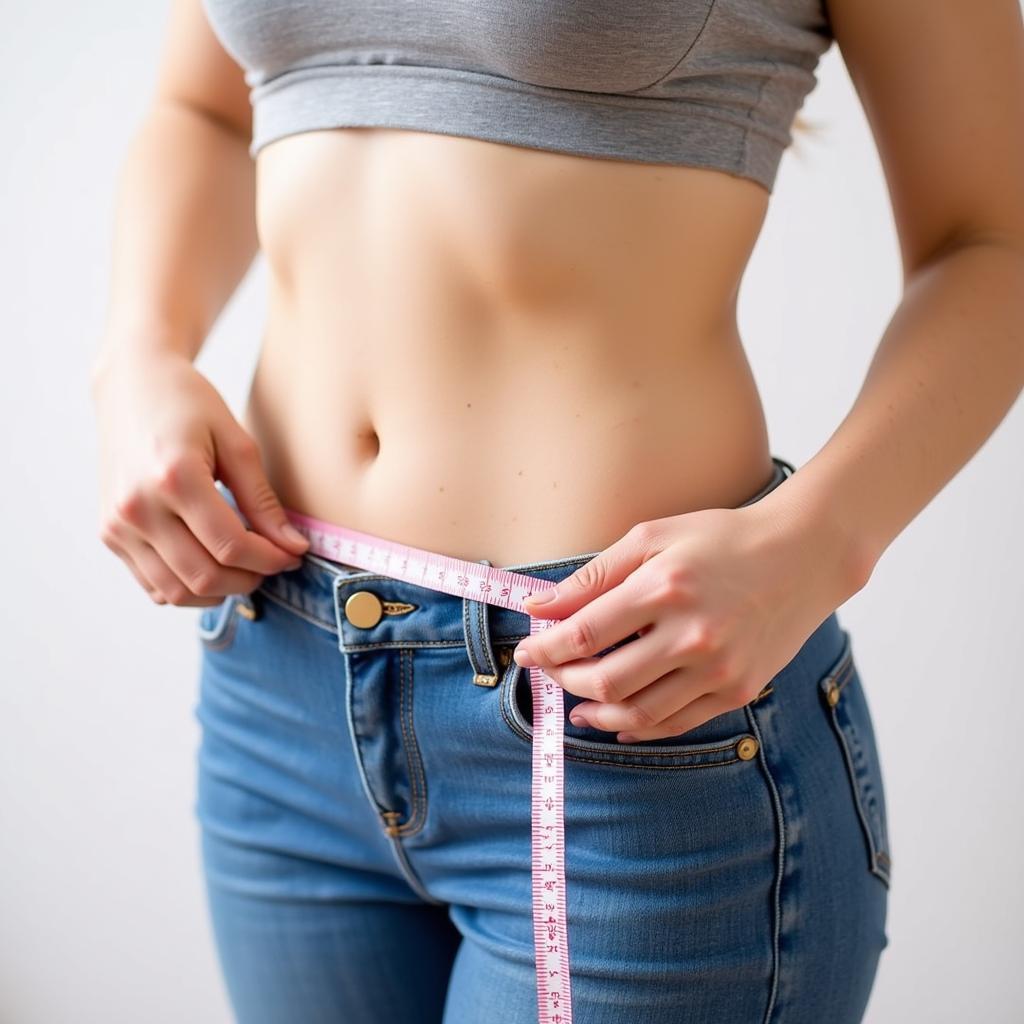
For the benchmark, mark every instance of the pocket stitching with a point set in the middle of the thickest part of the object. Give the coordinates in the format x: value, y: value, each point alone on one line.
x: 413, y: 759
x: 840, y: 675
x: 624, y: 756
x: 222, y: 632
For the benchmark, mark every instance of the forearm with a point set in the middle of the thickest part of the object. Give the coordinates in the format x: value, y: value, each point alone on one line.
x: 184, y: 233
x: 948, y: 368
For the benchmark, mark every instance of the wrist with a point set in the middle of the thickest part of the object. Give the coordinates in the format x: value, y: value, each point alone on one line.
x: 809, y: 520
x: 130, y: 352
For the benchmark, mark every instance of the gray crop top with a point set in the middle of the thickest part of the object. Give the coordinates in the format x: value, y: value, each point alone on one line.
x: 709, y: 83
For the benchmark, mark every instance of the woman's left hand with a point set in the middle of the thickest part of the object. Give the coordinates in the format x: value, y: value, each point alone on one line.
x: 723, y: 599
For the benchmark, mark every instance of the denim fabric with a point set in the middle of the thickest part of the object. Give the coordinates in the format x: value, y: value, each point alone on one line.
x: 364, y: 809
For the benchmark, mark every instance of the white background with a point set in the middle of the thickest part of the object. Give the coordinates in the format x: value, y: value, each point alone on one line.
x: 102, y: 919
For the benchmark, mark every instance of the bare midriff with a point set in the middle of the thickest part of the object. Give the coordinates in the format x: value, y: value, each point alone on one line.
x: 501, y: 353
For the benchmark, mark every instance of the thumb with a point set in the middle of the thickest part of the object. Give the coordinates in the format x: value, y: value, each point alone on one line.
x: 239, y: 465
x: 607, y: 569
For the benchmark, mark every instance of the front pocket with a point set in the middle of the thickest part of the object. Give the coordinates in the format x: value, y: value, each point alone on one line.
x: 845, y: 703
x: 725, y: 739
x: 216, y: 624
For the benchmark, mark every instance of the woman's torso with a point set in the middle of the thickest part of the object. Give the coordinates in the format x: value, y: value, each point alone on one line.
x: 500, y: 352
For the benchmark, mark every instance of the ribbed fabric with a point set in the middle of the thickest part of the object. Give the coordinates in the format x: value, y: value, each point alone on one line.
x: 707, y: 83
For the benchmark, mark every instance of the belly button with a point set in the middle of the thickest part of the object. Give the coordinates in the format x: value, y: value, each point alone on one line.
x: 370, y: 441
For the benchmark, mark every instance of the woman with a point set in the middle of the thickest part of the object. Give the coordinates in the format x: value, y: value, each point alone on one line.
x: 504, y: 249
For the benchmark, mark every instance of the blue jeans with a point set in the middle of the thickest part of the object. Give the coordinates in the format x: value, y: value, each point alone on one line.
x: 364, y: 810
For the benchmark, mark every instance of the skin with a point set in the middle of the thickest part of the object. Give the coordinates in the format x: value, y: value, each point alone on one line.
x: 555, y: 305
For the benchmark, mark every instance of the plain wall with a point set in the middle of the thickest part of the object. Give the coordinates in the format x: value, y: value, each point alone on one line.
x: 102, y: 919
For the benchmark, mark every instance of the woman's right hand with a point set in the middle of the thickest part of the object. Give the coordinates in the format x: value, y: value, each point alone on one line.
x: 165, y: 436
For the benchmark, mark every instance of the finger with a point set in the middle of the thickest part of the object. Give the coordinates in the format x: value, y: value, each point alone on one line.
x: 241, y: 468
x: 193, y: 495
x: 649, y: 706
x: 698, y: 711
x: 141, y: 578
x: 607, y: 569
x: 608, y: 618
x: 169, y: 588
x: 194, y: 566
x: 617, y: 676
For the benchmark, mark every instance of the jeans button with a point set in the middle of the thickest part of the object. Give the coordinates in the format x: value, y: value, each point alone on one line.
x: 746, y: 748
x: 364, y: 609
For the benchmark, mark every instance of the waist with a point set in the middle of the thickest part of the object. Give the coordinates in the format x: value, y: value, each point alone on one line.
x: 505, y: 353
x: 313, y: 589
x: 517, y: 455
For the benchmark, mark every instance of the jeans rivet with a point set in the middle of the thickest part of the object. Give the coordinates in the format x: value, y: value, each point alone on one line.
x: 746, y: 748
x: 364, y: 609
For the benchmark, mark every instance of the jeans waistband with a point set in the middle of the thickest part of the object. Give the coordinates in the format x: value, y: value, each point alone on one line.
x: 414, y: 615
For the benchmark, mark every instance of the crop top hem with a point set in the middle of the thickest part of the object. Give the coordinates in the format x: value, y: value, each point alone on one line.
x: 496, y: 109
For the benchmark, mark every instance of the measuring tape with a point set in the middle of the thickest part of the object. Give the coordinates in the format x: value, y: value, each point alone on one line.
x: 490, y: 585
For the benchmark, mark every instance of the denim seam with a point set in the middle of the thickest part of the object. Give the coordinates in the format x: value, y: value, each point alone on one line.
x: 780, y: 821
x: 485, y: 647
x: 417, y: 781
x: 218, y: 638
x: 575, y: 753
x: 409, y: 874
x: 649, y: 767
x: 283, y: 602
x: 402, y: 644
x: 356, y: 750
x: 224, y: 638
x: 876, y: 848
x: 466, y: 635
x: 842, y: 675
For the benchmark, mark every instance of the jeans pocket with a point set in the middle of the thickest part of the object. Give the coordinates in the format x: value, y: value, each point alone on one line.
x: 723, y: 740
x: 217, y: 624
x: 845, y: 703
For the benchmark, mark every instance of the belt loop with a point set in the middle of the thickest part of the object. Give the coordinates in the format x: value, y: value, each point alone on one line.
x: 476, y: 627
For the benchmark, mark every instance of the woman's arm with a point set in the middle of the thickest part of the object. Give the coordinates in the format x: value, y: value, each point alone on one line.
x: 185, y: 230
x: 943, y: 88
x: 726, y: 597
x: 184, y: 236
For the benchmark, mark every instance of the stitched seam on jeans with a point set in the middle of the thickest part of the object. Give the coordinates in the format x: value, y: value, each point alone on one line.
x: 412, y: 751
x: 780, y: 821
x: 571, y: 748
x: 401, y: 644
x: 507, y: 692
x: 223, y: 639
x: 411, y: 878
x: 649, y: 767
x: 467, y: 632
x: 845, y: 674
x: 300, y: 612
x: 869, y: 836
x: 485, y: 647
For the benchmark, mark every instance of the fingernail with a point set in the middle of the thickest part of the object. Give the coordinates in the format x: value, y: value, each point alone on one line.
x: 297, y: 564
x: 542, y: 596
x: 626, y: 737
x: 522, y: 657
x: 292, y: 534
x: 578, y: 720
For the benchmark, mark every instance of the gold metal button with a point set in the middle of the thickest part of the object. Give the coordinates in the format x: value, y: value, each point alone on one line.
x: 832, y: 694
x: 364, y: 609
x: 246, y: 607
x: 746, y: 748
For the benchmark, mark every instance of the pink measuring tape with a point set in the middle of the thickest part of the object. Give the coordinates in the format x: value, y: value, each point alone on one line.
x: 495, y: 586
